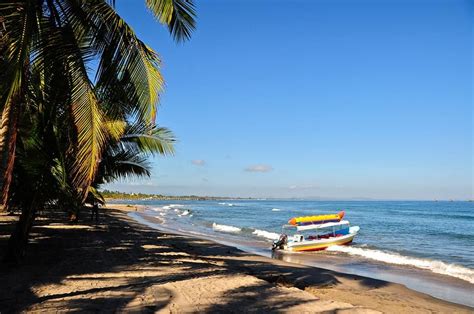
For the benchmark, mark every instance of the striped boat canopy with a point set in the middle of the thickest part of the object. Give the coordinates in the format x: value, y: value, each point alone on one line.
x: 321, y: 226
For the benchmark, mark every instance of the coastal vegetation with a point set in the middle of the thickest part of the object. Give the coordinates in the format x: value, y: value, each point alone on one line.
x: 144, y: 196
x: 78, y: 98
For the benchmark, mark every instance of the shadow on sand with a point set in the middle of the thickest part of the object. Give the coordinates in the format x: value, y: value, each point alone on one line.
x: 124, y: 260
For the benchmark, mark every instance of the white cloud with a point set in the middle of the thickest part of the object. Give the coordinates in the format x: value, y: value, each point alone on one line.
x: 198, y: 162
x: 259, y: 168
x: 303, y: 187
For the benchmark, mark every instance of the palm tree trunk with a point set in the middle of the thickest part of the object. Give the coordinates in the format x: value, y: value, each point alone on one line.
x: 8, y: 135
x: 19, y: 238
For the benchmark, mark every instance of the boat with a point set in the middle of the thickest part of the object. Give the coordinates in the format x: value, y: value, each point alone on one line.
x: 315, y: 233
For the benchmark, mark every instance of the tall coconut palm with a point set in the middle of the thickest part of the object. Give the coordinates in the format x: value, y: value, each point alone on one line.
x: 73, y: 33
x: 46, y: 51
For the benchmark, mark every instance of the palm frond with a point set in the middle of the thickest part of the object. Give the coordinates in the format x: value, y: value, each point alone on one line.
x: 84, y: 107
x: 150, y: 139
x: 179, y: 15
x: 19, y: 28
x: 17, y: 31
x: 129, y: 70
x: 94, y: 196
x: 90, y: 132
x: 115, y: 129
x: 119, y: 162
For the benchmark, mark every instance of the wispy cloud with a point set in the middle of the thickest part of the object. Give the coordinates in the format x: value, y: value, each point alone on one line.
x: 303, y: 187
x: 259, y: 168
x: 198, y: 162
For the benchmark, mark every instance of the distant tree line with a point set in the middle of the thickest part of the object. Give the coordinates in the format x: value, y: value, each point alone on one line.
x: 143, y: 196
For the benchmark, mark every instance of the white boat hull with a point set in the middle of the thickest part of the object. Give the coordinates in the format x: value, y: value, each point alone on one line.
x: 321, y: 244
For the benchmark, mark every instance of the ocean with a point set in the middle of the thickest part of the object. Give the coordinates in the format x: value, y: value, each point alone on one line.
x: 426, y: 245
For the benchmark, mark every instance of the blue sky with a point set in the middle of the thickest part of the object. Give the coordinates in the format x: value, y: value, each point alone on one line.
x: 330, y: 99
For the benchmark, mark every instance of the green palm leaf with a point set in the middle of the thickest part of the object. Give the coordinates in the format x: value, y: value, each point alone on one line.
x: 150, y: 139
x: 179, y: 15
x: 122, y: 163
x: 129, y: 71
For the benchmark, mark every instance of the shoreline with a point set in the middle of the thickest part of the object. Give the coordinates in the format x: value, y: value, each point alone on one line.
x: 400, y: 289
x: 431, y: 282
x: 119, y: 264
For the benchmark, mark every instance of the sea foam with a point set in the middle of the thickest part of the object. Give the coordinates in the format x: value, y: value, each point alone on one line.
x: 185, y: 212
x: 173, y: 206
x: 227, y: 204
x: 276, y: 209
x: 266, y: 234
x: 438, y: 267
x: 225, y: 228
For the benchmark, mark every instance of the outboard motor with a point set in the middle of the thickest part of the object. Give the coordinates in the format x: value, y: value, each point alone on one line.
x: 280, y: 242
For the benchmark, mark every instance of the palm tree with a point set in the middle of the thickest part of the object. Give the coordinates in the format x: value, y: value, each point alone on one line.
x: 128, y: 156
x: 46, y: 48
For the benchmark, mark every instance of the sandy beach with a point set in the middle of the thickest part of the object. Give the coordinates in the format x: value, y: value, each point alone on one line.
x: 118, y: 264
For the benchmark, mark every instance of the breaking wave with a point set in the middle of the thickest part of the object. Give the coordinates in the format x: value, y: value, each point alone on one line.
x: 438, y: 267
x: 185, y: 213
x: 266, y: 234
x: 225, y: 228
x: 173, y: 206
x: 227, y: 204
x: 276, y: 209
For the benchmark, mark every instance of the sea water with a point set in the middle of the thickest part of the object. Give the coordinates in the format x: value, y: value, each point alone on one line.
x: 409, y: 236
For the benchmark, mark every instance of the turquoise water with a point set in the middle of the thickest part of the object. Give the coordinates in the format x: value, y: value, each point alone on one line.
x: 434, y: 236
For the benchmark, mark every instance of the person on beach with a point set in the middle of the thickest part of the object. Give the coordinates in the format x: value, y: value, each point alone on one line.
x: 95, y: 211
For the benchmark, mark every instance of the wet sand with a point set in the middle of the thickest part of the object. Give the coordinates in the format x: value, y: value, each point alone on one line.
x: 121, y: 265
